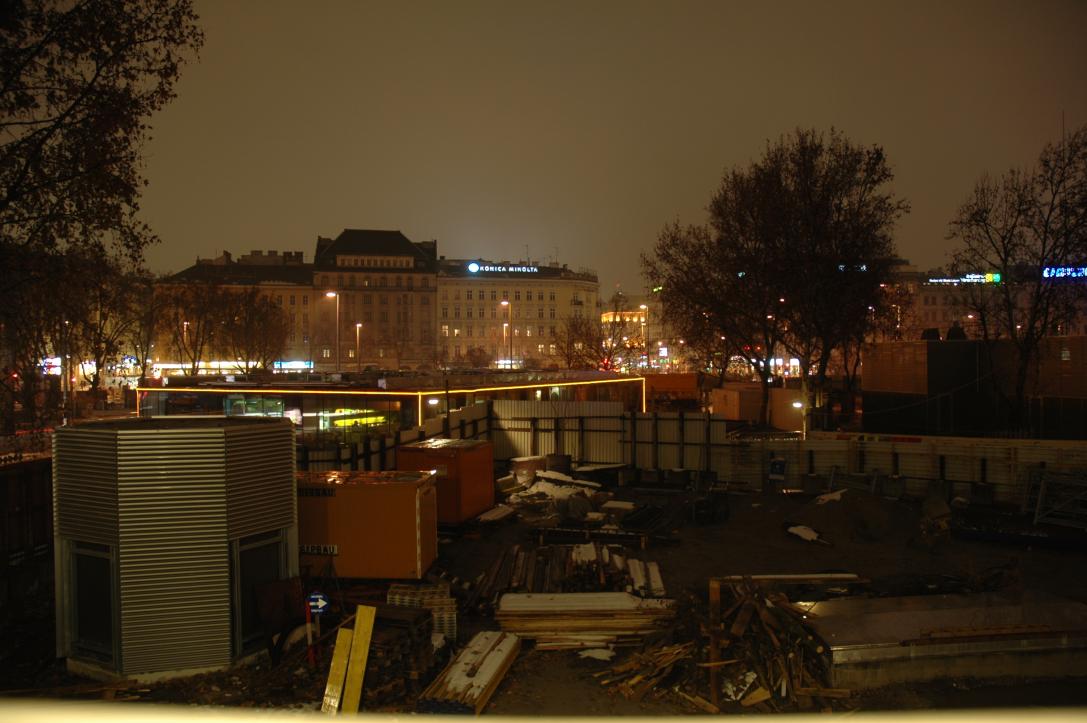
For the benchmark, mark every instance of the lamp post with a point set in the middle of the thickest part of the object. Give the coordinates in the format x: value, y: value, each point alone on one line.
x: 509, y: 306
x: 645, y: 342
x: 334, y: 295
x: 358, y: 361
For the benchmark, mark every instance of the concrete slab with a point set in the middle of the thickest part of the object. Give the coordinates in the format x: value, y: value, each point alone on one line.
x: 882, y: 641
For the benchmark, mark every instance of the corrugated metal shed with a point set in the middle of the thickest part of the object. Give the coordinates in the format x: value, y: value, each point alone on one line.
x: 169, y: 497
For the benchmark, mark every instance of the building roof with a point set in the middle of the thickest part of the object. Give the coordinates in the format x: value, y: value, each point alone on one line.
x: 370, y: 242
x: 235, y: 273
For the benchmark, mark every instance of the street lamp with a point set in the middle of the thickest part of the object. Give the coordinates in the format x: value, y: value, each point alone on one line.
x: 358, y: 361
x: 334, y: 295
x: 509, y: 306
x: 645, y: 342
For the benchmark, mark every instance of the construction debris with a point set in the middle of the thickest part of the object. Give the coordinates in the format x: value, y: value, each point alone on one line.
x: 582, y: 620
x: 642, y: 672
x: 585, y: 567
x: 806, y: 533
x: 470, y: 679
x: 775, y: 661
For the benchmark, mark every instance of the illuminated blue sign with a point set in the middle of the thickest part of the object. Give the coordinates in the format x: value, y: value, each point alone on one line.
x: 475, y: 268
x: 1064, y: 272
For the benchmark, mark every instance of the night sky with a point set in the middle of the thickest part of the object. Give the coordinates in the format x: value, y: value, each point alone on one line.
x: 578, y: 129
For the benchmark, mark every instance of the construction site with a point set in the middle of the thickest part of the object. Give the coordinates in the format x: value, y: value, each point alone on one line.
x: 521, y: 558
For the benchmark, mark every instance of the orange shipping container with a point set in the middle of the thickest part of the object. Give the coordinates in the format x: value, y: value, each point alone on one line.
x: 465, y: 469
x: 368, y: 524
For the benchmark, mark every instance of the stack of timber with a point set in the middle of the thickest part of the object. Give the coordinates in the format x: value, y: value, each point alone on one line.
x: 642, y: 672
x: 470, y: 679
x: 434, y: 597
x: 761, y: 651
x: 401, y: 653
x: 588, y: 567
x: 560, y: 621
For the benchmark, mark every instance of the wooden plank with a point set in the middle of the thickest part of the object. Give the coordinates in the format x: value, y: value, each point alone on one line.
x: 656, y: 582
x: 356, y: 661
x: 337, y: 672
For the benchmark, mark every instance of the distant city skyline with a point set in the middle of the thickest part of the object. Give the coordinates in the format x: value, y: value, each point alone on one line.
x: 577, y: 132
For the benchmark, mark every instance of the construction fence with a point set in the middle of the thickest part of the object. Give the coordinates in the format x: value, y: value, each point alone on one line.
x: 1042, y: 477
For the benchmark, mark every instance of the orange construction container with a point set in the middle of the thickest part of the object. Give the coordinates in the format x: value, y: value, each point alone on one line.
x: 465, y: 469
x: 367, y: 524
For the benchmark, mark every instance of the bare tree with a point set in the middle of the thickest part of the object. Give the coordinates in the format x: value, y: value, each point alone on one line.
x: 793, y: 260
x: 579, y: 342
x: 78, y: 82
x: 191, y: 320
x: 254, y: 329
x: 1017, y: 226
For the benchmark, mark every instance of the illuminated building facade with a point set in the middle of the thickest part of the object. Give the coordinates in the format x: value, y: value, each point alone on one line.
x: 378, y: 287
x: 936, y: 300
x: 366, y: 300
x: 508, y: 314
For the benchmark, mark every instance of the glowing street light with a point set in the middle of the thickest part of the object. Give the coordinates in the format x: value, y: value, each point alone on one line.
x: 509, y: 306
x: 334, y: 295
x: 645, y: 341
x: 358, y: 361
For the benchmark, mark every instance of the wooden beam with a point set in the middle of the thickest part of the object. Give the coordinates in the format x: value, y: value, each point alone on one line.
x: 337, y: 672
x: 356, y: 662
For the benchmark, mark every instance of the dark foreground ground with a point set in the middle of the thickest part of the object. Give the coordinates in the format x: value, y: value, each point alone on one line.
x: 873, y: 538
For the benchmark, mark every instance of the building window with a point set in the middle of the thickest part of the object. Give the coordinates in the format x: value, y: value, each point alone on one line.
x: 445, y: 312
x: 539, y: 296
x: 384, y: 316
x: 383, y: 300
x: 539, y: 313
x: 326, y: 352
x: 468, y: 313
x: 505, y: 296
x: 469, y: 332
x: 494, y: 295
x: 305, y: 338
x: 456, y: 331
x: 292, y: 299
x: 456, y: 312
x: 494, y: 313
x: 468, y: 294
x: 552, y: 334
x: 551, y: 295
x: 367, y: 316
x: 445, y: 330
x: 552, y: 311
x: 424, y: 300
x: 516, y: 295
x: 305, y: 301
x: 425, y: 283
x: 366, y: 299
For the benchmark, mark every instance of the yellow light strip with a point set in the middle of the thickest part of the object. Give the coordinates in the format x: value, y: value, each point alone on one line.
x: 384, y: 393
